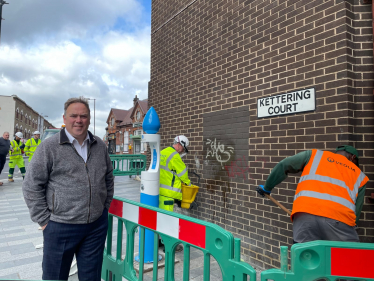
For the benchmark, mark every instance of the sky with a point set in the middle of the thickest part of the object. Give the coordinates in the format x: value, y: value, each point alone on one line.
x: 51, y: 51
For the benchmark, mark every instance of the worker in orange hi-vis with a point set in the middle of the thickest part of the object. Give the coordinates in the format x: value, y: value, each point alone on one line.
x: 329, y: 196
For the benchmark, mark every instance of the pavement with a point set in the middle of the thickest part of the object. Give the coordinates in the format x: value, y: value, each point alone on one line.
x: 19, y: 235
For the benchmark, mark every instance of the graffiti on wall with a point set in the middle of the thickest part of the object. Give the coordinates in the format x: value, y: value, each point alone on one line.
x: 218, y: 151
x: 240, y: 168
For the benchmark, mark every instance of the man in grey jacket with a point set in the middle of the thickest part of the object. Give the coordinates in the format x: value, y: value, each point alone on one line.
x: 68, y: 189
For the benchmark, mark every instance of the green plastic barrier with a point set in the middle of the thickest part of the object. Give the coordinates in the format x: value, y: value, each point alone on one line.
x: 127, y: 165
x: 327, y: 260
x: 174, y: 229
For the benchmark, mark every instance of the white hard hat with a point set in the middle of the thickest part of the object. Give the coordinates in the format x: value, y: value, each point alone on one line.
x: 36, y: 133
x: 183, y: 141
x: 20, y: 135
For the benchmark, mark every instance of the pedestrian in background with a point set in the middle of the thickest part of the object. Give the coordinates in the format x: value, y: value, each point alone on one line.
x: 16, y: 157
x: 32, y: 144
x: 330, y: 194
x: 4, y: 150
x: 68, y: 189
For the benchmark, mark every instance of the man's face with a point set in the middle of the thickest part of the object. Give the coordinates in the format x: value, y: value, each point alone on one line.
x: 36, y: 136
x: 180, y: 148
x: 6, y: 136
x: 17, y: 138
x: 77, y: 120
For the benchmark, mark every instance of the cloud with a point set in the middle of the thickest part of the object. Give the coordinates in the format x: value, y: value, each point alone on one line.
x: 74, y: 51
x: 28, y: 21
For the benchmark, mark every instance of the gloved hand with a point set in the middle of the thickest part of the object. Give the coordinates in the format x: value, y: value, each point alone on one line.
x: 262, y: 191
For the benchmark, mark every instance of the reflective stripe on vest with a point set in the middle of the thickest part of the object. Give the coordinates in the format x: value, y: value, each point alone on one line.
x: 16, y: 148
x: 171, y: 188
x: 325, y: 196
x: 352, y: 193
x: 35, y: 143
x: 166, y: 167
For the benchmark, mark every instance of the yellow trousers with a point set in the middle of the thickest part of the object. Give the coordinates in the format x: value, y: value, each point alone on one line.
x: 16, y: 162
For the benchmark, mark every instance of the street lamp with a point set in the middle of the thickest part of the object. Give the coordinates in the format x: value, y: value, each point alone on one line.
x: 2, y: 3
x: 94, y: 109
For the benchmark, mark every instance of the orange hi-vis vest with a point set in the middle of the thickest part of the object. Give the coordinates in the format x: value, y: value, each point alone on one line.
x: 328, y: 187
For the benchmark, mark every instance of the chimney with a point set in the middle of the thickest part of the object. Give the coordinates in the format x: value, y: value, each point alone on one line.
x: 135, y: 99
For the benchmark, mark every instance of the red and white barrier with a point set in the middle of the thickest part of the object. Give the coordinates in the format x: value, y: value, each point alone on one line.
x: 352, y: 262
x: 183, y: 230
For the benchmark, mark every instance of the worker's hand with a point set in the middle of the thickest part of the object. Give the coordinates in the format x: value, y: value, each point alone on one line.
x: 44, y: 226
x: 262, y: 191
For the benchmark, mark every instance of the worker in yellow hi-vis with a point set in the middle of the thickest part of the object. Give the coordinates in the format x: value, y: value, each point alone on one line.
x: 15, y: 156
x: 172, y: 173
x: 32, y: 144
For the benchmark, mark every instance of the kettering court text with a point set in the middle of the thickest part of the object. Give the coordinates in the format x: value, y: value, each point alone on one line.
x: 297, y: 101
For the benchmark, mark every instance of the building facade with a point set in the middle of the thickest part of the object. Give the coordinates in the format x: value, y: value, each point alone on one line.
x: 252, y: 82
x: 124, y: 129
x: 17, y: 116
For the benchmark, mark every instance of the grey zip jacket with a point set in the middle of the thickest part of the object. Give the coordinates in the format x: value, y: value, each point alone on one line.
x: 61, y: 187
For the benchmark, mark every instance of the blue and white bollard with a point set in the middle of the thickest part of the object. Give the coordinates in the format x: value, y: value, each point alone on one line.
x: 150, y: 179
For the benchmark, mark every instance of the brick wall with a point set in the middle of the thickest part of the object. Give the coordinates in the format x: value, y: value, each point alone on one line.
x: 220, y: 55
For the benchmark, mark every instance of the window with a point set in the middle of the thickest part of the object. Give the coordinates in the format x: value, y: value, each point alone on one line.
x: 17, y: 113
x: 143, y: 147
x: 112, y: 122
x: 138, y: 132
x: 138, y: 115
x: 21, y: 115
x: 126, y: 141
x: 137, y: 145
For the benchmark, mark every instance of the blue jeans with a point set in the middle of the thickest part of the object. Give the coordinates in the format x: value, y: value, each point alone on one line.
x: 86, y: 241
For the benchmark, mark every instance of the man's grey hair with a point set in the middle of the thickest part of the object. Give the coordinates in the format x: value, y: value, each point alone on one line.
x: 77, y: 100
x: 5, y: 133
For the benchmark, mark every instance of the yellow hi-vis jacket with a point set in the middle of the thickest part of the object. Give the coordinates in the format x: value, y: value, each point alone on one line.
x: 17, y: 153
x: 31, y: 146
x: 172, y: 173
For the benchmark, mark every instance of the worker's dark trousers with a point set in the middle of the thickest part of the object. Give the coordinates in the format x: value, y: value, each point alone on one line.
x: 86, y: 241
x: 307, y: 227
x: 2, y: 162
